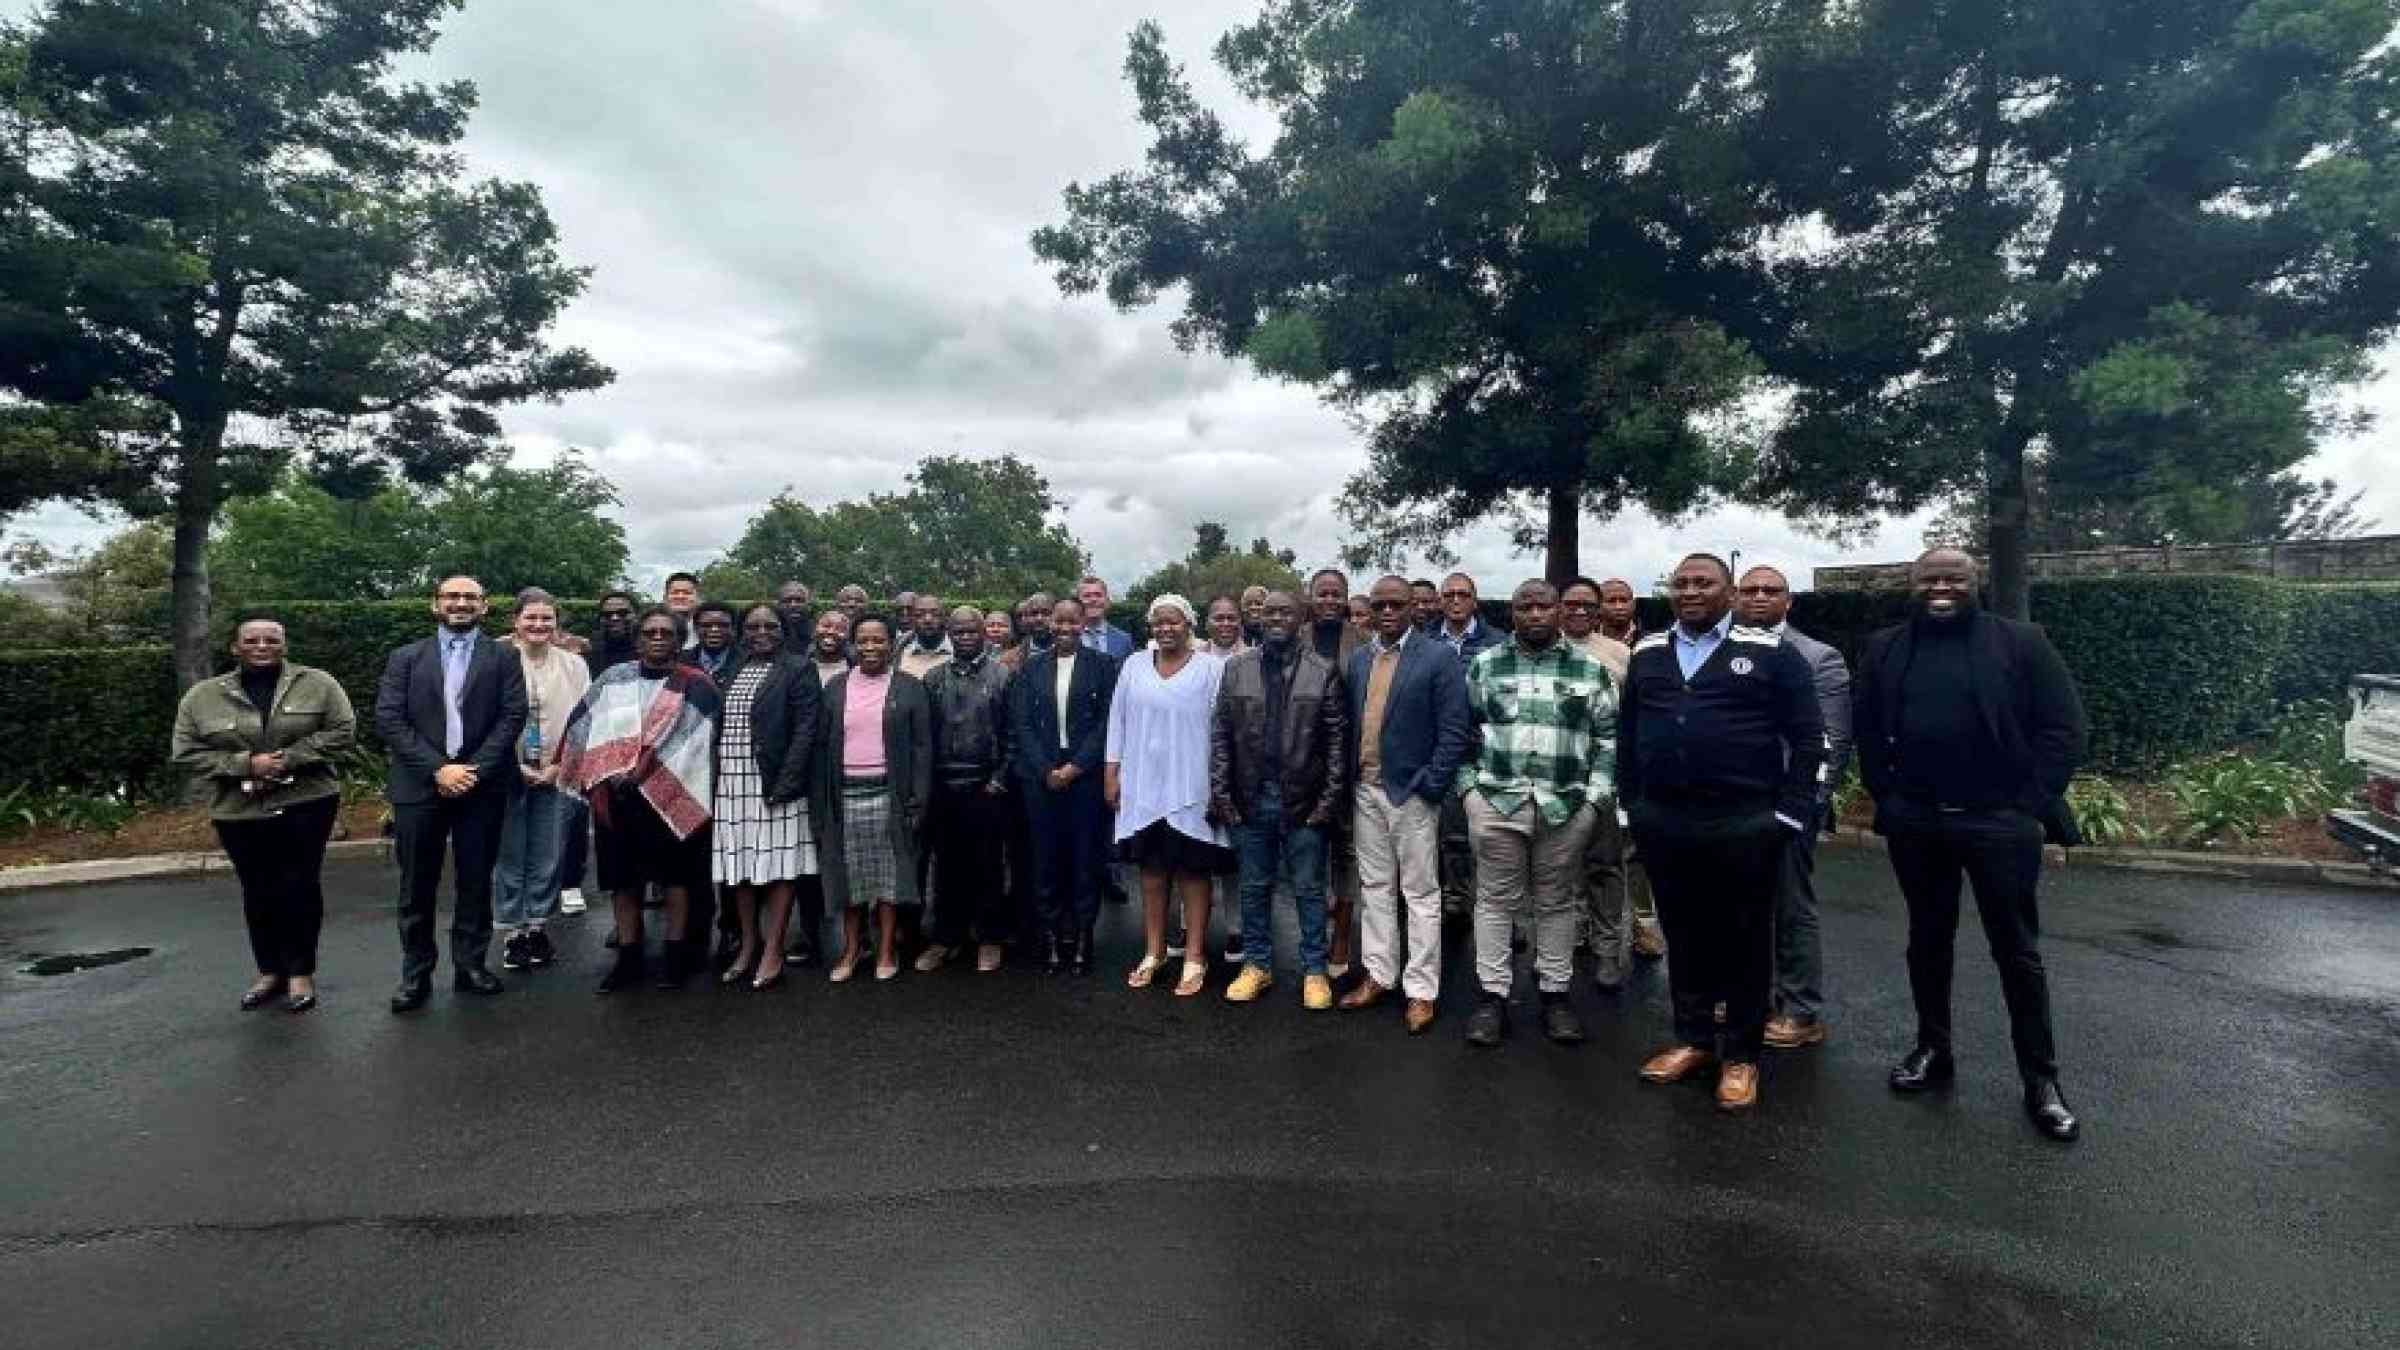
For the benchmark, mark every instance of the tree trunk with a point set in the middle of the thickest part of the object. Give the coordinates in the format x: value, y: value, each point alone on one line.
x: 1565, y: 561
x: 2008, y: 587
x: 195, y: 510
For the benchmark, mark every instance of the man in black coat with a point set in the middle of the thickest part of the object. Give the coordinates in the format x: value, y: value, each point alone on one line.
x: 449, y: 710
x: 1058, y: 730
x: 1968, y: 728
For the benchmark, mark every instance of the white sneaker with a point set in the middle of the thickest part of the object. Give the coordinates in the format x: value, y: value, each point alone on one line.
x: 570, y: 901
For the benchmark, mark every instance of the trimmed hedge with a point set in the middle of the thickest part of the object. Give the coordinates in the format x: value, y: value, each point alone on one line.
x: 2169, y: 665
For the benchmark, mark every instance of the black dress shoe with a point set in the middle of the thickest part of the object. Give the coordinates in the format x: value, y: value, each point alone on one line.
x: 255, y: 999
x: 476, y: 980
x: 1559, y: 1021
x: 411, y: 995
x: 1489, y: 1022
x: 1923, y: 1068
x: 2049, y: 1110
x: 299, y: 1003
x: 625, y: 973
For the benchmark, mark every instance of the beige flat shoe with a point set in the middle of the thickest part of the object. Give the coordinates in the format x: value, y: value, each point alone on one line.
x: 1141, y: 975
x: 1195, y: 979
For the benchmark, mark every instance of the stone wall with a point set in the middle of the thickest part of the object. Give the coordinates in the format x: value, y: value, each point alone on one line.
x: 2372, y: 558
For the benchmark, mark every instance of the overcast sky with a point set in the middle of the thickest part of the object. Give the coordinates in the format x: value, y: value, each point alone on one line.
x: 809, y: 221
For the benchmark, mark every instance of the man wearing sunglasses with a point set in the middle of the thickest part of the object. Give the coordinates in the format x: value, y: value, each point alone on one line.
x: 1763, y: 599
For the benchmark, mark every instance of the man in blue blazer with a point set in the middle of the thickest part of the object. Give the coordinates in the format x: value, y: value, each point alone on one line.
x: 1058, y: 722
x: 449, y: 709
x: 1409, y: 732
x: 1099, y: 634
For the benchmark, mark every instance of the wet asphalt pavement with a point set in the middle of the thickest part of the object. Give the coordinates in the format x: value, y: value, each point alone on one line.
x: 1009, y: 1160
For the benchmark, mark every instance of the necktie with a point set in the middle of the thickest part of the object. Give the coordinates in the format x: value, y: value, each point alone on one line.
x: 455, y: 651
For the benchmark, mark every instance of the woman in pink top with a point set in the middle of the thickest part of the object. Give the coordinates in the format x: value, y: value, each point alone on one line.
x: 869, y: 799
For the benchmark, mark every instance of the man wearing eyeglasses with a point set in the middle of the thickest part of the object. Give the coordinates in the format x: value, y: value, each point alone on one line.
x: 1763, y: 598
x: 1464, y: 632
x: 449, y: 709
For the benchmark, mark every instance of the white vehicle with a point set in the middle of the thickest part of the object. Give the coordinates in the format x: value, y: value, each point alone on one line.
x: 2371, y: 740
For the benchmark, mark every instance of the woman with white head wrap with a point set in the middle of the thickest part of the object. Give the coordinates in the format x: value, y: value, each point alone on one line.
x: 1156, y: 779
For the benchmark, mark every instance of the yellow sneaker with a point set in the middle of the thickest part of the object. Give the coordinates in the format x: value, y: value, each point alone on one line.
x: 1316, y: 993
x: 1253, y: 981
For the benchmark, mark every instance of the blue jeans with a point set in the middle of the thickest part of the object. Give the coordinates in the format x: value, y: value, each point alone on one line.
x: 525, y: 883
x: 1271, y: 849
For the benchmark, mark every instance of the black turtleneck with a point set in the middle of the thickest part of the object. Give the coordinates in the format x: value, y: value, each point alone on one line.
x: 1326, y: 636
x: 259, y: 683
x: 1274, y: 661
x: 1947, y: 755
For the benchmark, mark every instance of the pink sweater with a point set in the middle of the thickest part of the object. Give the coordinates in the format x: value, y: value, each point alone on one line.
x: 863, y: 697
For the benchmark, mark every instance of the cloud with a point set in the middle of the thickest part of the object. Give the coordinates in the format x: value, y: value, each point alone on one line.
x: 808, y: 225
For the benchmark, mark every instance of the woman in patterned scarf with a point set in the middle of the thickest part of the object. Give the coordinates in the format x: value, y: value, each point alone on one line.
x: 639, y: 748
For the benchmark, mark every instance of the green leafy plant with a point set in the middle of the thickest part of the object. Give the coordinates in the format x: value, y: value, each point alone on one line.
x: 2236, y: 796
x: 2307, y: 734
x: 362, y: 772
x: 20, y: 810
x: 2102, y: 813
x: 91, y: 813
x: 1849, y: 792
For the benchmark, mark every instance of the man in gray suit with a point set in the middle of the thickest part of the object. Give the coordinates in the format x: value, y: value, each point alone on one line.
x: 1764, y: 599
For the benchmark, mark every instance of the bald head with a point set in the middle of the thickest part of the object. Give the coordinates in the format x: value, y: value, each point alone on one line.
x: 1943, y: 580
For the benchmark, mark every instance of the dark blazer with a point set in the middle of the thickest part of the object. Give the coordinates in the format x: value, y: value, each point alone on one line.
x: 908, y: 765
x: 410, y: 719
x: 1832, y: 676
x: 1426, y: 726
x: 1033, y: 715
x: 2023, y: 694
x: 783, y: 726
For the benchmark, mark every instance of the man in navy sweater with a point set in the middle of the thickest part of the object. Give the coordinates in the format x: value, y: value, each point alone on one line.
x: 1708, y: 712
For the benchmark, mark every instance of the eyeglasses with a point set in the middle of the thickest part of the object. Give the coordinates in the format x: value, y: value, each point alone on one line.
x: 460, y: 595
x: 1761, y: 590
x: 1386, y: 602
x: 1458, y: 595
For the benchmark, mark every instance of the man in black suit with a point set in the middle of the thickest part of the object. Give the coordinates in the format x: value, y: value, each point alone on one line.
x: 449, y: 710
x: 1058, y: 714
x: 1968, y: 728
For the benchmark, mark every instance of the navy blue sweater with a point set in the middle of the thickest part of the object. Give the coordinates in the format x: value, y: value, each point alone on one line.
x: 1720, y: 737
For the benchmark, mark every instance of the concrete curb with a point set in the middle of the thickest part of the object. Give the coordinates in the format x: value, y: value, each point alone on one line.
x: 98, y: 870
x: 2285, y: 871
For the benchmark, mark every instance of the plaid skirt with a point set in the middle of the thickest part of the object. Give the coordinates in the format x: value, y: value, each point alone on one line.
x: 874, y: 869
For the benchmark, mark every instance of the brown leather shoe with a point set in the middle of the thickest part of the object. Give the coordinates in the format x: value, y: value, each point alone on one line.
x: 1366, y: 995
x: 1786, y: 1032
x: 1419, y: 1015
x: 1737, y: 1087
x: 1673, y: 1066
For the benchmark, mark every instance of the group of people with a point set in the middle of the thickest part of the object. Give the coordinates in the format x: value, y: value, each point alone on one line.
x: 963, y: 782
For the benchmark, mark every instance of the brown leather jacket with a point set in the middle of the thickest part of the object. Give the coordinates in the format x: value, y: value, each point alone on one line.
x: 1315, y: 778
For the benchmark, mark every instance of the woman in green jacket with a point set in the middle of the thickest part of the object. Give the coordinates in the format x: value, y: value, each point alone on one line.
x: 263, y: 738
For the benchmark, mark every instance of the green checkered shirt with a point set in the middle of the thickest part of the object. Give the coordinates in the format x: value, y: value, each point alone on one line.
x: 1549, y: 729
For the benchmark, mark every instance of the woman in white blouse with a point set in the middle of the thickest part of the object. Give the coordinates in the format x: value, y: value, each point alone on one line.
x: 1156, y: 779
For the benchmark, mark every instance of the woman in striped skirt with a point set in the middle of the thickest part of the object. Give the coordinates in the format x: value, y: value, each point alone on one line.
x: 765, y: 744
x: 872, y: 786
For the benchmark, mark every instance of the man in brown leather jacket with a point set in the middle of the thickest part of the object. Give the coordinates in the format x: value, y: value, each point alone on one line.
x: 1277, y: 777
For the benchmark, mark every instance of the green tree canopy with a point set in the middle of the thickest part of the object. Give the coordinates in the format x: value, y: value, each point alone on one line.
x: 1213, y: 568
x: 2114, y: 255
x: 227, y: 226
x: 970, y: 527
x: 508, y: 527
x: 1502, y: 234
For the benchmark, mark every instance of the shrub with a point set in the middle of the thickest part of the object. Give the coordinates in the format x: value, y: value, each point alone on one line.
x: 2102, y: 814
x: 2237, y: 796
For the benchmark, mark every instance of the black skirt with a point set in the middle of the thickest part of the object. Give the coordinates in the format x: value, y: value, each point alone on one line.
x: 635, y: 849
x: 1160, y: 847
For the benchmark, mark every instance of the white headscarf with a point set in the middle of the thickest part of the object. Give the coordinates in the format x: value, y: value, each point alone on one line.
x: 1191, y: 619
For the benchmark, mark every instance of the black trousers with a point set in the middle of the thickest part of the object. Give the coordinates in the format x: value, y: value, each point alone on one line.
x: 467, y: 831
x: 577, y: 846
x: 970, y: 828
x: 1714, y: 868
x: 2001, y: 853
x: 281, y: 863
x: 1069, y: 848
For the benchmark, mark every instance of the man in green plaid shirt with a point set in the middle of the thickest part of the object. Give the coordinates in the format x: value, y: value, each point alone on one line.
x: 1546, y: 715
